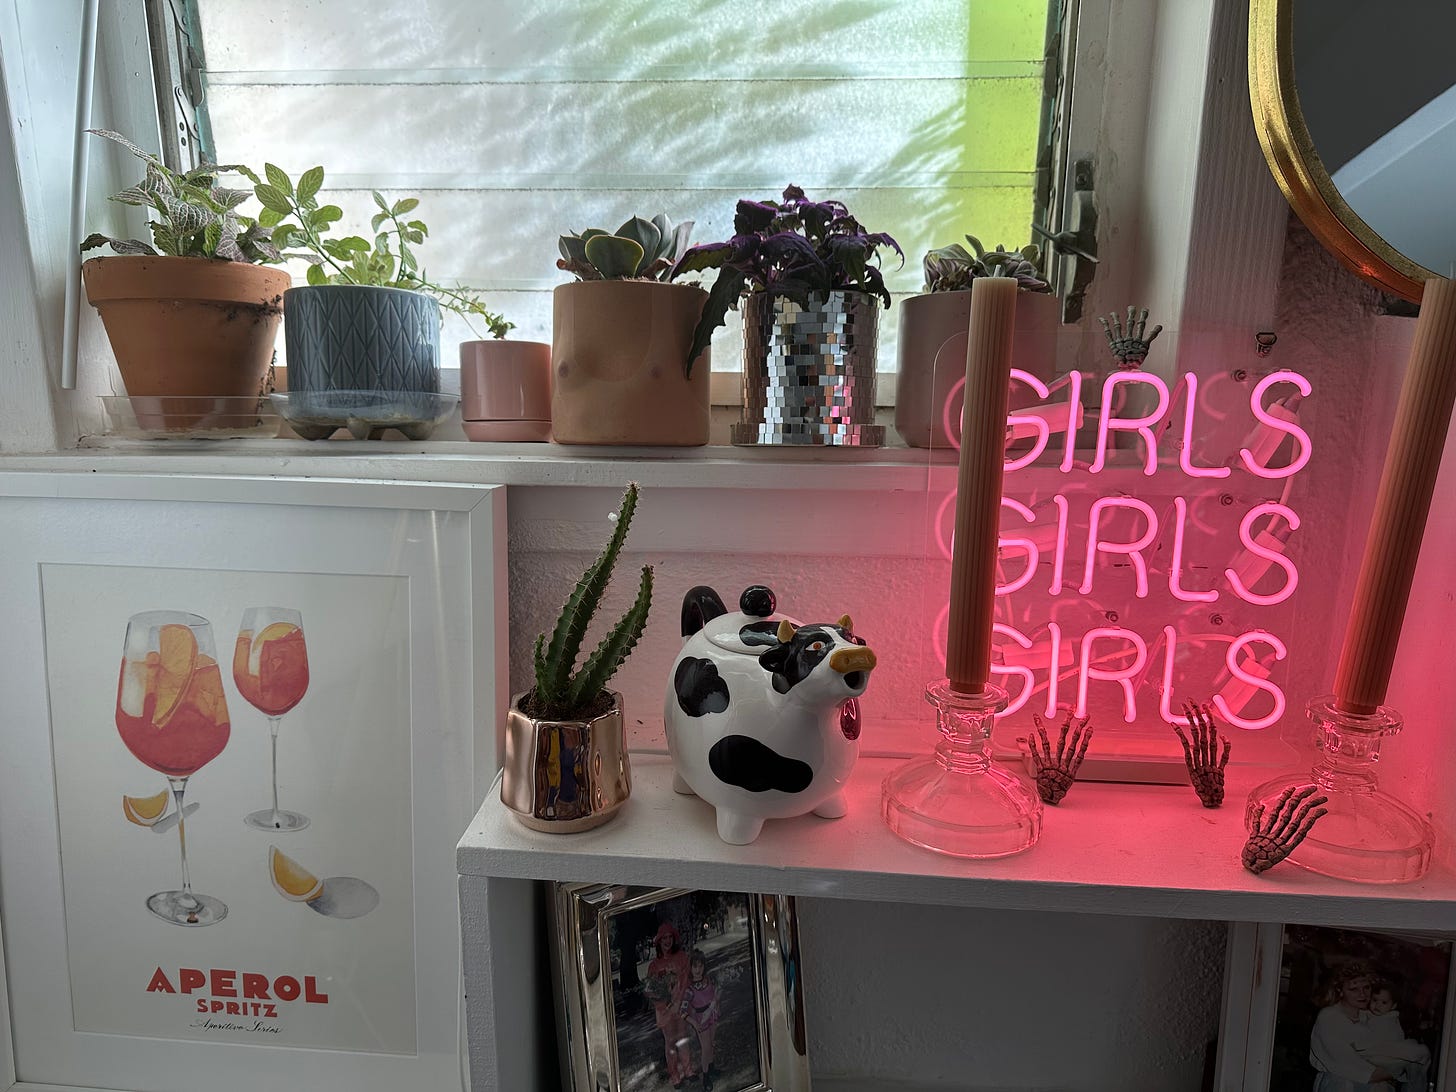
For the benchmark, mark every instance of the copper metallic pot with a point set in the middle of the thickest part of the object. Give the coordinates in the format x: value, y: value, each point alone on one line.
x: 564, y: 776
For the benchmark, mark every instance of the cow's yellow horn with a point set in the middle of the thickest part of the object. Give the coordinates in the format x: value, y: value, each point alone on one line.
x: 786, y: 632
x: 846, y: 622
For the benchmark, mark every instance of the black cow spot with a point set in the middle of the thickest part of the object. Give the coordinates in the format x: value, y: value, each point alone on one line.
x: 699, y: 688
x: 745, y: 762
x: 700, y: 606
x: 759, y: 633
x: 849, y: 719
x: 792, y: 663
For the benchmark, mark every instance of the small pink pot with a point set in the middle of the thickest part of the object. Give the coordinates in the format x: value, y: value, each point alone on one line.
x: 505, y: 390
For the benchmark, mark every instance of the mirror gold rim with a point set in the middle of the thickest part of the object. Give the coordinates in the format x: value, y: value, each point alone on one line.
x: 1297, y: 167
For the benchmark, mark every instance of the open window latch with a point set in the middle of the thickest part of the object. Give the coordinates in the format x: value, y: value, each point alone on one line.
x: 1074, y: 248
x: 177, y: 70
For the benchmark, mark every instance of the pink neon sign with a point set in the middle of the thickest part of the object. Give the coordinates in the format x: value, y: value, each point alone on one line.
x: 1134, y: 552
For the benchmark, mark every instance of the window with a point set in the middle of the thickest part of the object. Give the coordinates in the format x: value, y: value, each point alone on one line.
x: 515, y: 122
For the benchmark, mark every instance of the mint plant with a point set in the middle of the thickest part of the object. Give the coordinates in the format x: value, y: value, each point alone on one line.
x: 194, y: 214
x: 389, y: 261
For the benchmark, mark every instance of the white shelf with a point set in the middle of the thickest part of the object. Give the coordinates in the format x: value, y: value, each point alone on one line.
x: 1108, y: 849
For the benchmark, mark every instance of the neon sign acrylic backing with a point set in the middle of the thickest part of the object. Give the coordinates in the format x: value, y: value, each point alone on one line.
x: 1151, y: 537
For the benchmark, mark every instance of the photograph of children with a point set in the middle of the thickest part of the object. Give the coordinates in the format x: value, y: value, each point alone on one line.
x: 683, y: 994
x: 1360, y: 1011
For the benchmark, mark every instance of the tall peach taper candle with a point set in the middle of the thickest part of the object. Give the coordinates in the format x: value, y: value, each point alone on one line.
x: 1401, y: 507
x: 978, y: 485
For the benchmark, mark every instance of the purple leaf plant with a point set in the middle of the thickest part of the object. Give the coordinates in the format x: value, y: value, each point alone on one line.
x: 794, y: 248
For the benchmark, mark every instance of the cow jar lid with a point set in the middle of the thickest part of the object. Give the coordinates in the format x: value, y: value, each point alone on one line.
x: 752, y: 628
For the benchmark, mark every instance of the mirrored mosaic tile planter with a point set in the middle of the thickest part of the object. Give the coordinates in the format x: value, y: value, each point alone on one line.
x: 809, y: 372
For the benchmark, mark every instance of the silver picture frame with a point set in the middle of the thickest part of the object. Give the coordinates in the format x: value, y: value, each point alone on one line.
x: 606, y: 1039
x: 1268, y: 1028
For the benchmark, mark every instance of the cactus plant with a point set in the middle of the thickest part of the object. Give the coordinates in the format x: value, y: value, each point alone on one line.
x: 639, y: 249
x: 561, y: 693
x: 952, y: 268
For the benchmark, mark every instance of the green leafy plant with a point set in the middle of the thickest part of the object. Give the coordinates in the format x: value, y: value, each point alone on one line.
x: 195, y: 215
x: 561, y: 693
x: 640, y: 249
x: 953, y: 268
x: 293, y: 212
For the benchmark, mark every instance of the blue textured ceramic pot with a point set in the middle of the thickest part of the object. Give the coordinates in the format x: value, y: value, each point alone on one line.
x: 345, y: 337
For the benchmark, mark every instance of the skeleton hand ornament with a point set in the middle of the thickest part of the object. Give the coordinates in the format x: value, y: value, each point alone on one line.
x: 1205, y: 762
x: 1294, y: 814
x: 1127, y: 342
x: 1055, y: 773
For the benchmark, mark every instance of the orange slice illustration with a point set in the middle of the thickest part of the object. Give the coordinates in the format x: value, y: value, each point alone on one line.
x: 290, y: 879
x: 177, y: 661
x: 144, y: 811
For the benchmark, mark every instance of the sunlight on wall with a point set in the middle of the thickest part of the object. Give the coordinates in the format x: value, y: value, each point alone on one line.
x: 518, y: 121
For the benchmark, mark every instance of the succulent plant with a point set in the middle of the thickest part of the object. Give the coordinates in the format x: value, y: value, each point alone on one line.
x: 790, y: 248
x: 196, y: 216
x: 952, y: 268
x: 560, y: 693
x: 639, y: 249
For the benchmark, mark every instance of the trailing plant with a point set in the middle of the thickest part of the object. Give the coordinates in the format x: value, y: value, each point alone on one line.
x: 953, y: 268
x: 195, y: 215
x: 794, y: 247
x: 389, y: 261
x: 639, y: 249
x: 561, y: 693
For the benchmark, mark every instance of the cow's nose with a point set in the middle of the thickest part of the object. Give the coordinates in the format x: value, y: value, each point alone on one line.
x: 846, y: 660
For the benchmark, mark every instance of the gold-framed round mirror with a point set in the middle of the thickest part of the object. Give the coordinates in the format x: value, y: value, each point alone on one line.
x: 1355, y: 106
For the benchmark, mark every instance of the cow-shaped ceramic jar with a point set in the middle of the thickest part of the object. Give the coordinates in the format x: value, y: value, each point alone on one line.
x: 762, y: 715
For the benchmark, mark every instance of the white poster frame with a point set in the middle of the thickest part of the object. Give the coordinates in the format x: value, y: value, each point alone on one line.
x: 449, y: 541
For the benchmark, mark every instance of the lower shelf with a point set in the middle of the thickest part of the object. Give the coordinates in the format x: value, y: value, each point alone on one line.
x: 1140, y: 850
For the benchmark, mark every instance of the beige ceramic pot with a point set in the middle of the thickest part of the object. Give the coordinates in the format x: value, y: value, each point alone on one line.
x: 617, y: 353
x: 932, y: 357
x: 187, y: 327
x: 505, y: 390
x: 564, y: 776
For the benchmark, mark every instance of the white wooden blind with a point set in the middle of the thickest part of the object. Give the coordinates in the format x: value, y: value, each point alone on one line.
x: 515, y: 122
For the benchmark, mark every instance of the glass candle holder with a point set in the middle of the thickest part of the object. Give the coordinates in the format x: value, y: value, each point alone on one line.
x: 1366, y: 835
x: 958, y: 801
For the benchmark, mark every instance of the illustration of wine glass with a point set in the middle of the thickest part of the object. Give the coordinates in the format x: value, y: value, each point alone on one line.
x: 172, y: 715
x: 270, y: 667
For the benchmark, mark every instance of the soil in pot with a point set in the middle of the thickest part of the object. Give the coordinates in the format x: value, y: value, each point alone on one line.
x: 617, y: 353
x: 188, y: 328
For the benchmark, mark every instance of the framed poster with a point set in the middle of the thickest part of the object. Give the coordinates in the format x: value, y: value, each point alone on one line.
x: 246, y: 723
x: 1338, y: 1010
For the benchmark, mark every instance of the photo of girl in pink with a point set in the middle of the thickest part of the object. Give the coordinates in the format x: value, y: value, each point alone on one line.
x: 667, y: 981
x: 684, y: 999
x: 700, y: 1008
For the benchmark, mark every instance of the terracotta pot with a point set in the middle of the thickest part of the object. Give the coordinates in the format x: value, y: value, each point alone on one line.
x: 563, y: 776
x: 932, y: 357
x: 505, y: 390
x: 617, y: 352
x: 187, y: 327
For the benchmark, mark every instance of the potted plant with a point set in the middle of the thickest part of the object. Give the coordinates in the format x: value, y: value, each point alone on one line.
x: 505, y: 390
x: 933, y: 334
x: 366, y: 327
x: 804, y: 269
x: 622, y: 373
x: 566, y: 752
x: 191, y: 315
